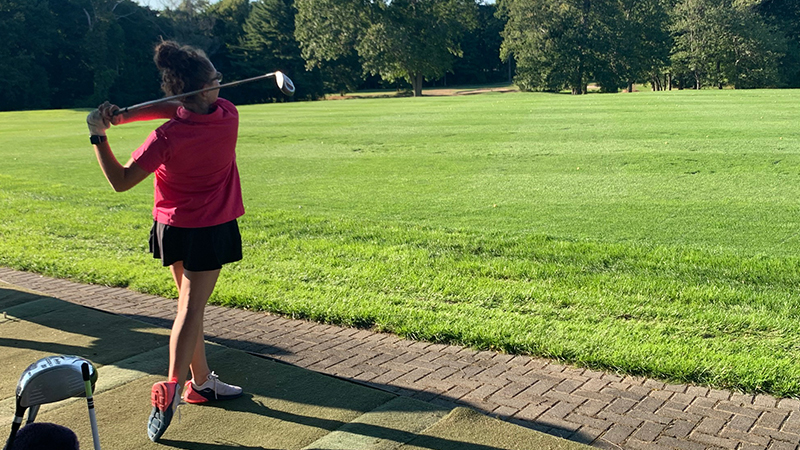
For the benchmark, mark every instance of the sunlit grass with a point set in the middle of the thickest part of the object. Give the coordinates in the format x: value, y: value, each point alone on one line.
x: 649, y: 233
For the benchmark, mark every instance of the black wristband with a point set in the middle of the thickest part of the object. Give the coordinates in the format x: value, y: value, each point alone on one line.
x: 96, y: 139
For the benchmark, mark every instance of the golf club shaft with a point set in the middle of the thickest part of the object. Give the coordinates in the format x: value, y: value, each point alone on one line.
x: 12, y: 437
x: 32, y: 412
x: 186, y: 94
x: 90, y: 401
x: 20, y: 411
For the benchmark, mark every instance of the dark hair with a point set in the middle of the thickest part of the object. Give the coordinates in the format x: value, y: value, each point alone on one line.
x: 183, y: 68
x: 42, y: 435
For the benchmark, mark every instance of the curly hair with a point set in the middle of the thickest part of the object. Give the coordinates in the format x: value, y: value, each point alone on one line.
x: 183, y: 68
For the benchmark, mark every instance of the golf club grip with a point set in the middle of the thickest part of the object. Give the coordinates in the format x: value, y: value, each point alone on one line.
x: 87, y: 381
x: 86, y: 374
x: 186, y: 94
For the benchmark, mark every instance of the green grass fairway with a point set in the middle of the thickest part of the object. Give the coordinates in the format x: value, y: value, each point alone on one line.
x: 653, y: 233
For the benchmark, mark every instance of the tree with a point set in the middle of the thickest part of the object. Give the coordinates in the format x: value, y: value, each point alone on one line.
x: 644, y: 40
x: 138, y: 78
x: 753, y: 49
x: 102, y: 47
x: 328, y: 32
x: 550, y: 42
x: 481, y: 61
x: 410, y: 40
x: 190, y: 26
x: 268, y: 44
x: 416, y: 39
x: 28, y: 33
x: 83, y: 47
x: 566, y: 43
x: 694, y: 31
x: 784, y: 17
x: 722, y: 42
x: 228, y: 18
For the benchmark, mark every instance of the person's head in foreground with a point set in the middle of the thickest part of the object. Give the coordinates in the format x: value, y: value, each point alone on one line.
x: 45, y: 436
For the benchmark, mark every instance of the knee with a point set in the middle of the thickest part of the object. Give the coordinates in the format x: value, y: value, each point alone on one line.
x: 192, y: 309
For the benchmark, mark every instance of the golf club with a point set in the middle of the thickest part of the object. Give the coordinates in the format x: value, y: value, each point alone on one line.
x: 87, y: 382
x: 48, y: 380
x: 284, y: 84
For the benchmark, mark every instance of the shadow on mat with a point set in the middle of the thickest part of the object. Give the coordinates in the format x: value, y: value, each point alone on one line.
x: 116, y: 337
x: 98, y: 336
x: 57, y: 349
x: 207, y: 446
x: 112, y: 337
x: 249, y: 405
x: 246, y: 346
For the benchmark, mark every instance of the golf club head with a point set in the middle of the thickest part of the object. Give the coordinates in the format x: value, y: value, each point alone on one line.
x: 52, y: 379
x: 284, y: 83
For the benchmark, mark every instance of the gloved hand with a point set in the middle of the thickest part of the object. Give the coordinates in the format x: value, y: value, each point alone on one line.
x: 107, y: 111
x: 102, y: 118
x: 97, y: 123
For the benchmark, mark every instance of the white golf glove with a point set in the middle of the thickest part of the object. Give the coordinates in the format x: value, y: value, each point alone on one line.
x: 97, y: 123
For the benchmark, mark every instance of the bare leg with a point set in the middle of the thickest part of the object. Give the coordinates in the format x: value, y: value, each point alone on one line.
x: 199, y: 364
x: 186, y: 346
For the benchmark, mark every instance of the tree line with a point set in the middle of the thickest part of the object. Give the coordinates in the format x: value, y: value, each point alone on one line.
x: 78, y: 53
x: 669, y: 43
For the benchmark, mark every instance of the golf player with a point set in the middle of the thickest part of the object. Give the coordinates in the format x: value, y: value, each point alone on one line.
x: 198, y: 198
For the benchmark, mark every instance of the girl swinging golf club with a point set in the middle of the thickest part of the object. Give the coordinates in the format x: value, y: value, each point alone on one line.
x: 198, y: 199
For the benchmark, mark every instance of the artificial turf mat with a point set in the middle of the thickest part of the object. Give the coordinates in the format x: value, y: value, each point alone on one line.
x: 284, y: 407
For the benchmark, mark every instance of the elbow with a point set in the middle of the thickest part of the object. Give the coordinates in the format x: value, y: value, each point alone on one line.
x: 119, y: 186
x: 125, y: 179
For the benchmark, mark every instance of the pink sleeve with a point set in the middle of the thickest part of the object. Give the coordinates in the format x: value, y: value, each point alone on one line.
x: 153, y: 153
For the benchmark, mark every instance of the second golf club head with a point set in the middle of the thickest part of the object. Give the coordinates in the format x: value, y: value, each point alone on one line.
x: 284, y: 83
x: 52, y: 379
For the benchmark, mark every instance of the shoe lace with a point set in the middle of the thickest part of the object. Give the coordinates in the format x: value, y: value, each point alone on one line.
x: 214, y: 377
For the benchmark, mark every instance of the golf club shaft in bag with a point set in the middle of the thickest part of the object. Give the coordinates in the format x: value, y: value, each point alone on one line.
x: 87, y: 381
x: 284, y: 84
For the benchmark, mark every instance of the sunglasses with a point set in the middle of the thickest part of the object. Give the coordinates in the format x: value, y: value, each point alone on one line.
x: 217, y: 77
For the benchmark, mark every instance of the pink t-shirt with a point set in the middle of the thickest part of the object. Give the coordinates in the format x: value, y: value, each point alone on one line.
x: 193, y: 157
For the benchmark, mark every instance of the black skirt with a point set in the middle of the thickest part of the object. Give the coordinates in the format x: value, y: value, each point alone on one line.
x: 200, y: 249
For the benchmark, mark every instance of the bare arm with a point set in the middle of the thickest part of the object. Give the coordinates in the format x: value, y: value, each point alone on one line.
x: 166, y: 110
x: 120, y: 177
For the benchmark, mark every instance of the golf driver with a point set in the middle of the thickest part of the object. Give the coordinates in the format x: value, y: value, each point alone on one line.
x: 284, y: 84
x: 48, y: 380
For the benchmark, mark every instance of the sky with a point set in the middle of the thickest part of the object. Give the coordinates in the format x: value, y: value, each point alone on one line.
x: 153, y: 4
x: 159, y: 4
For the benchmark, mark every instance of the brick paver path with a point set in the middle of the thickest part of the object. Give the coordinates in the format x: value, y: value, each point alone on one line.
x: 601, y: 409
